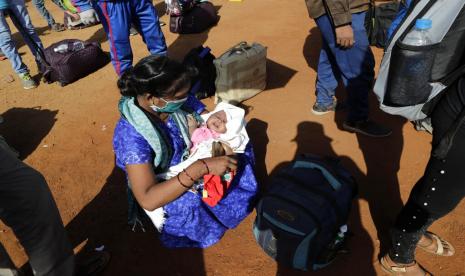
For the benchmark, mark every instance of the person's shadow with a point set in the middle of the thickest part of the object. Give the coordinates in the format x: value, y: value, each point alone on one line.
x: 25, y: 128
x: 312, y: 139
x: 257, y: 130
x: 380, y: 187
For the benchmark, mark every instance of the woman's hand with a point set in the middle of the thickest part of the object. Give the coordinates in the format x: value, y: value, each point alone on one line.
x: 221, y: 164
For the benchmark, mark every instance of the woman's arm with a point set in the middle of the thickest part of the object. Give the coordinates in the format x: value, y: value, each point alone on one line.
x: 151, y: 195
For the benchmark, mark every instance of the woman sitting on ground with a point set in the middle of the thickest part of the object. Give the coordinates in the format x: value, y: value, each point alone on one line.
x: 152, y: 135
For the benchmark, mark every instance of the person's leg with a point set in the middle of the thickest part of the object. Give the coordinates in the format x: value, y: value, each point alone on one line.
x: 28, y: 207
x: 147, y: 22
x: 326, y: 82
x: 23, y: 23
x: 355, y: 66
x: 40, y: 6
x: 440, y: 189
x: 8, y: 47
x: 116, y: 19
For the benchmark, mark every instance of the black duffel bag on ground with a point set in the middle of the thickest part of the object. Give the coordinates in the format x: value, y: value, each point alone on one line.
x: 201, y: 17
x: 71, y: 59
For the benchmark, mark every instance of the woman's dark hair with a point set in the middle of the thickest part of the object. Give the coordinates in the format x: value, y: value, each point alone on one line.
x: 157, y: 75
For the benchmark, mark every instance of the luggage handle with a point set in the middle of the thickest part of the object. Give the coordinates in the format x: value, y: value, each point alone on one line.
x: 334, y: 182
x: 239, y: 49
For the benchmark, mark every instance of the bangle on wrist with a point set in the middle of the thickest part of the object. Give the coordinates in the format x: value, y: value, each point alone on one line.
x: 206, y: 166
x: 188, y: 175
x: 182, y: 184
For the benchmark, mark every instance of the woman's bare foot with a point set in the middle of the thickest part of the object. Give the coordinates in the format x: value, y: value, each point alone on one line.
x: 393, y: 268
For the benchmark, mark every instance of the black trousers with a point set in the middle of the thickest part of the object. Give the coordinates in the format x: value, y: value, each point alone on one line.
x: 442, y: 186
x: 27, y: 206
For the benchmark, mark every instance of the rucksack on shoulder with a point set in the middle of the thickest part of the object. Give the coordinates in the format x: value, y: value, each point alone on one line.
x: 300, y: 215
x: 412, y: 78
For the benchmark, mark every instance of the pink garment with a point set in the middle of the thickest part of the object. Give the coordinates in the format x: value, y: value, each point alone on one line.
x: 202, y: 134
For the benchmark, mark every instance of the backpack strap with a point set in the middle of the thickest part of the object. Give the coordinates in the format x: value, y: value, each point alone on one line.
x: 327, y: 172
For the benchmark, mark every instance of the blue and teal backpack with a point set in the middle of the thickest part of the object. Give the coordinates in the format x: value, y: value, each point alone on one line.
x: 299, y: 217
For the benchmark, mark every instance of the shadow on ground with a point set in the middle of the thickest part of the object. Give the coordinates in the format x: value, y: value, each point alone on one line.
x: 25, y: 128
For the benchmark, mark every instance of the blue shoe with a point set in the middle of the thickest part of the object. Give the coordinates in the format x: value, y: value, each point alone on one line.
x: 319, y: 109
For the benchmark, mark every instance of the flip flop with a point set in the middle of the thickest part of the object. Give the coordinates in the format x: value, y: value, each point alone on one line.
x: 399, y: 270
x: 444, y: 248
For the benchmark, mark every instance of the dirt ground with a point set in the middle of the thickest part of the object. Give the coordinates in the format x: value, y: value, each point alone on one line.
x: 66, y: 133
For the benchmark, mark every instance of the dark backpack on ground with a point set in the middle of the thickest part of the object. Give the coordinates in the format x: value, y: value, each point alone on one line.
x: 201, y: 17
x: 179, y: 7
x: 202, y: 59
x: 300, y: 215
x: 66, y: 67
x: 73, y: 64
x: 378, y: 20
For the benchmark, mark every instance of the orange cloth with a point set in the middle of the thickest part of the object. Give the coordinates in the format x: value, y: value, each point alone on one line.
x: 215, y: 188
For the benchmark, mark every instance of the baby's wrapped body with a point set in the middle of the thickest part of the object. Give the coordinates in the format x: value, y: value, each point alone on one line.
x: 222, y: 133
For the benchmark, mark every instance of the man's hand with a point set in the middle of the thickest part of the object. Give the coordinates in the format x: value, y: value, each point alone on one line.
x: 74, y: 16
x: 89, y: 17
x: 345, y: 36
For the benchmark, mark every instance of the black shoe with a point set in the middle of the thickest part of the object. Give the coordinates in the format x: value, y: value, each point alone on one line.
x: 368, y: 128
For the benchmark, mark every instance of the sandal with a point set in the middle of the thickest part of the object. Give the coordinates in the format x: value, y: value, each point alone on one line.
x: 397, y: 270
x: 444, y: 248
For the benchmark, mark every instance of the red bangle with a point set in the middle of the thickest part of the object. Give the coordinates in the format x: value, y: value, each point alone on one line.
x: 180, y: 182
x: 188, y: 175
x: 206, y: 166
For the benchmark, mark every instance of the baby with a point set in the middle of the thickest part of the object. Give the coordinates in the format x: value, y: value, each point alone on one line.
x: 222, y: 132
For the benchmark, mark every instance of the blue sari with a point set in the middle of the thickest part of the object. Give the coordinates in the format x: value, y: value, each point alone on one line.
x: 189, y: 221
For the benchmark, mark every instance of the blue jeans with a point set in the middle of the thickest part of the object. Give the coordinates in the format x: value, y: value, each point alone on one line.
x: 18, y: 10
x: 355, y: 66
x: 40, y: 6
x: 116, y: 18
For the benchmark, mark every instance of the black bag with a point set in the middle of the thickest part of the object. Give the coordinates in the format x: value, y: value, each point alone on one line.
x: 378, y: 20
x: 299, y: 217
x: 201, y: 17
x: 203, y: 86
x: 68, y: 66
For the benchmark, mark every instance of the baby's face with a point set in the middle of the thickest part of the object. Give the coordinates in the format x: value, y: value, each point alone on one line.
x: 217, y: 122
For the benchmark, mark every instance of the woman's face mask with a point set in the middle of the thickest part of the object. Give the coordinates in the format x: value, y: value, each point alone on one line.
x: 170, y: 106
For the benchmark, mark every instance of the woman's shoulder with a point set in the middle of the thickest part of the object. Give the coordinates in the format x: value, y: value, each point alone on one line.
x: 123, y: 129
x: 129, y: 146
x: 126, y: 136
